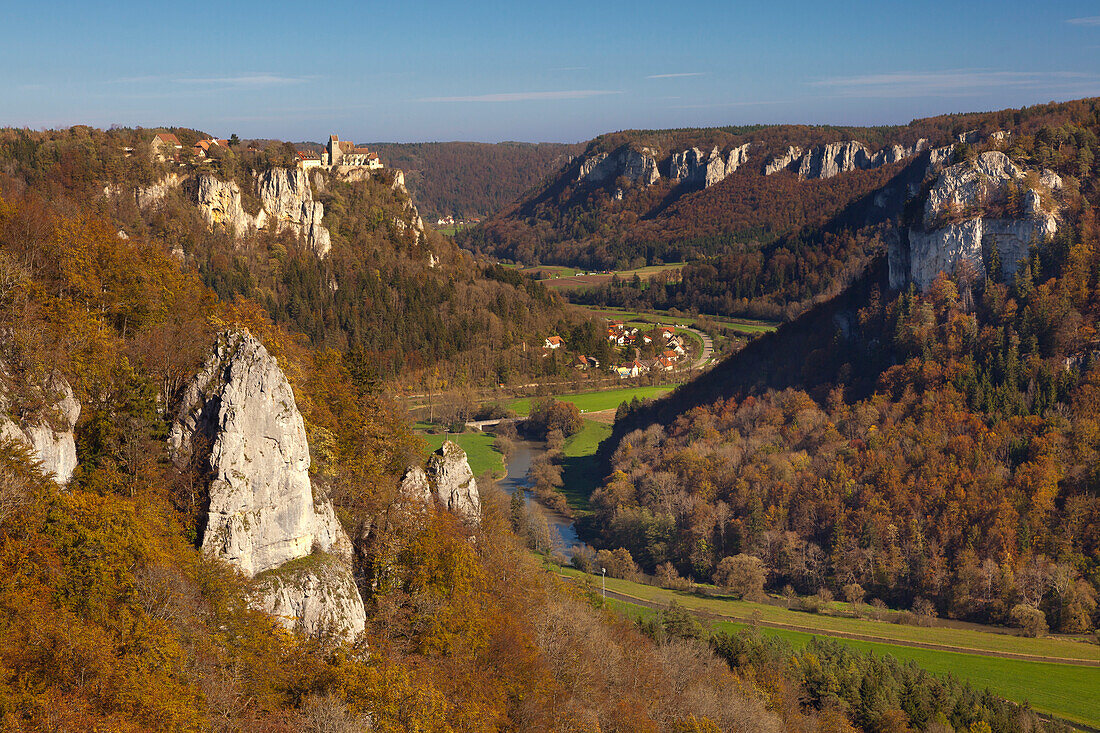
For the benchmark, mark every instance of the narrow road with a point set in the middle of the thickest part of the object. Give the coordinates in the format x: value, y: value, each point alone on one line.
x: 706, y: 353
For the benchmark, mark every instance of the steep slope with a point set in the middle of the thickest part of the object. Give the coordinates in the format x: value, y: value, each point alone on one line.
x: 931, y: 447
x: 768, y: 218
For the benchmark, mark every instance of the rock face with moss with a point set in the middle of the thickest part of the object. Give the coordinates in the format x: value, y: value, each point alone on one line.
x: 239, y: 422
x: 49, y: 434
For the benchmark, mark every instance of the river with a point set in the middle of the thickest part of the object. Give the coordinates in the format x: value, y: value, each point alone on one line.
x: 562, y: 531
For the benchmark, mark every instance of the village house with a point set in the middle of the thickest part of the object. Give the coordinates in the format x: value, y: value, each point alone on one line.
x: 345, y: 152
x: 166, y: 145
x: 664, y: 332
x: 553, y: 342
x: 201, y: 149
x: 664, y: 364
x: 308, y: 159
x: 584, y: 363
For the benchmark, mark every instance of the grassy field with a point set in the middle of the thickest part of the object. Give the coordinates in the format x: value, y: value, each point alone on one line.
x: 607, y: 399
x: 743, y: 325
x: 571, y: 278
x: 1060, y: 689
x: 581, y: 474
x: 962, y: 639
x: 479, y: 450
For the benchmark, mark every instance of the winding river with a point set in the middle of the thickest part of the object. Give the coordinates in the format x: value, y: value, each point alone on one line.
x: 563, y: 532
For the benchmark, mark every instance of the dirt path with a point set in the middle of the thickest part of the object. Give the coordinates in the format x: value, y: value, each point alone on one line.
x: 857, y: 637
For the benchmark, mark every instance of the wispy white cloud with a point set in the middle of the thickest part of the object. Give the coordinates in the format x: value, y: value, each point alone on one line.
x: 1087, y: 20
x: 675, y: 76
x: 524, y: 96
x: 951, y: 82
x: 233, y: 80
x: 244, y: 80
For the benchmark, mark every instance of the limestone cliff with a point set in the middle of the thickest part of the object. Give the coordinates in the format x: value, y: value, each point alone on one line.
x: 692, y: 167
x: 964, y: 220
x: 831, y: 159
x: 239, y: 416
x: 783, y: 161
x: 312, y: 595
x: 48, y: 436
x: 286, y: 201
x: 639, y: 166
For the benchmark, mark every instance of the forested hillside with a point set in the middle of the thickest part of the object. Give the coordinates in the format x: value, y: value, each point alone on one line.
x: 933, y: 450
x: 756, y: 245
x: 468, y: 180
x: 399, y: 298
x: 112, y: 618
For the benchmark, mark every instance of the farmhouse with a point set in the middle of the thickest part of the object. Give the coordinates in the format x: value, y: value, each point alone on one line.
x: 166, y: 145
x: 553, y: 342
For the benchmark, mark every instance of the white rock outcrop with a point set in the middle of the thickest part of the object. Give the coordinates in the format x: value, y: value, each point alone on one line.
x: 239, y: 413
x: 449, y: 478
x: 639, y: 166
x: 48, y: 437
x: 693, y: 167
x: 313, y: 595
x: 415, y: 485
x: 964, y: 192
x: 831, y: 159
x: 286, y: 200
x: 784, y: 161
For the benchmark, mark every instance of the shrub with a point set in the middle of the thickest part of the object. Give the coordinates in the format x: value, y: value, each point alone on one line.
x: 743, y: 575
x: 1029, y: 619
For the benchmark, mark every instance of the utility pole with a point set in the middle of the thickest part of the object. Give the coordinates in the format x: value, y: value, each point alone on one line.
x: 603, y: 582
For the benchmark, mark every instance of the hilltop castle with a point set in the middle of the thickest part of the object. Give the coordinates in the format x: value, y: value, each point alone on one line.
x: 344, y: 152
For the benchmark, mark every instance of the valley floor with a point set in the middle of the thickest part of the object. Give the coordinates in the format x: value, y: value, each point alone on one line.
x: 1055, y: 676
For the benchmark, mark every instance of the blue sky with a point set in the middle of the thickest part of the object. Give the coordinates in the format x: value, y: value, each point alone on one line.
x: 538, y: 71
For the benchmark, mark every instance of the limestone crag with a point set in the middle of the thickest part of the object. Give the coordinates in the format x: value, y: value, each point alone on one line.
x: 639, y: 166
x: 831, y: 159
x: 262, y: 511
x: 448, y: 476
x: 692, y: 167
x: 239, y: 416
x: 49, y: 437
x: 219, y: 203
x: 415, y: 485
x: 286, y: 200
x: 315, y: 595
x: 784, y: 161
x: 956, y: 227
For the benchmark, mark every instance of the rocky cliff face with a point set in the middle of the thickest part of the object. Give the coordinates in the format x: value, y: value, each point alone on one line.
x: 316, y: 594
x: 449, y: 478
x: 639, y: 166
x: 286, y: 202
x: 826, y: 161
x: 956, y: 227
x: 49, y: 437
x: 693, y: 167
x: 240, y: 416
x: 784, y: 161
